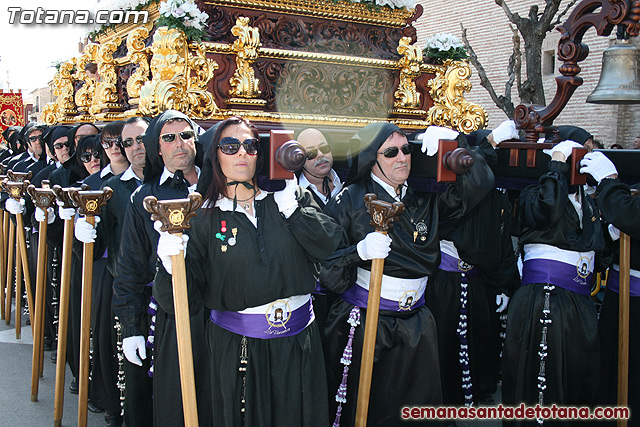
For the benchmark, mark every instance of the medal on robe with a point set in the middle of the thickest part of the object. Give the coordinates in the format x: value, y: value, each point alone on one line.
x: 232, y: 240
x: 223, y: 248
x: 421, y: 230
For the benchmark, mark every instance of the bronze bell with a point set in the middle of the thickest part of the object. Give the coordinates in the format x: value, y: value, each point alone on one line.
x: 619, y: 82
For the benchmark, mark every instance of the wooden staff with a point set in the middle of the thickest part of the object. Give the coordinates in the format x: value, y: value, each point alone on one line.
x: 383, y: 214
x: 89, y: 204
x: 16, y: 190
x: 175, y: 215
x: 623, y: 323
x: 9, y: 276
x: 62, y: 194
x: 43, y: 198
x: 3, y: 254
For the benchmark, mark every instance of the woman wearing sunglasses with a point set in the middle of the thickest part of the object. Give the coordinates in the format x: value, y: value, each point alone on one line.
x: 252, y: 259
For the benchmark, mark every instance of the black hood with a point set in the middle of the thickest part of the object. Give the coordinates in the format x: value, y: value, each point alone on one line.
x: 52, y: 134
x: 364, y: 146
x: 76, y: 168
x: 71, y: 133
x: 23, y: 136
x: 12, y: 140
x: 154, y: 164
x: 574, y: 133
x: 206, y: 175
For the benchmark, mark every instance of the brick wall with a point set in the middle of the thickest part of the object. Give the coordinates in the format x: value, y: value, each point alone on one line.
x: 489, y: 34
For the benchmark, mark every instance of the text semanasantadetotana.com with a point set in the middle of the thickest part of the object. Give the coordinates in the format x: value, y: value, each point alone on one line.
x: 522, y: 412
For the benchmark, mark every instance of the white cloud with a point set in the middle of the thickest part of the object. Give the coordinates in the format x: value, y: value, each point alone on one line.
x: 28, y: 50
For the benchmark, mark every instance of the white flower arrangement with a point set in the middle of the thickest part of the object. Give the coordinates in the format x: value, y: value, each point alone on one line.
x: 183, y: 15
x: 393, y: 4
x: 444, y: 46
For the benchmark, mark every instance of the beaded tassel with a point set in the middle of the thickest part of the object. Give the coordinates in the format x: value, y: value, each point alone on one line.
x: 153, y: 309
x: 54, y: 287
x: 464, y: 362
x: 244, y: 361
x: 120, y: 354
x: 341, y: 396
x: 545, y: 320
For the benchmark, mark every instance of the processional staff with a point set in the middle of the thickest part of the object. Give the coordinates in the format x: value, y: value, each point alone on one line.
x: 89, y: 204
x: 4, y: 244
x: 175, y: 216
x: 43, y: 198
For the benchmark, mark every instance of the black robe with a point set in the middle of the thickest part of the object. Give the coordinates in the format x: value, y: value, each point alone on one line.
x: 621, y: 209
x: 406, y: 369
x: 548, y: 217
x: 136, y: 268
x: 278, y: 259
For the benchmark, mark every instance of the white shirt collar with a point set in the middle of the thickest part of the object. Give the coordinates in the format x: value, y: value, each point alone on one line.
x: 226, y: 204
x: 304, y: 183
x: 32, y: 155
x: 58, y: 163
x: 166, y: 175
x: 129, y: 174
x: 106, y: 170
x: 390, y: 189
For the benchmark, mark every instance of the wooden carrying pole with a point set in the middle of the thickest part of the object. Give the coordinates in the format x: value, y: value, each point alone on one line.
x: 63, y: 309
x: 175, y: 215
x: 89, y: 204
x: 623, y: 324
x: 382, y: 216
x: 4, y: 244
x: 43, y: 198
x: 9, y: 276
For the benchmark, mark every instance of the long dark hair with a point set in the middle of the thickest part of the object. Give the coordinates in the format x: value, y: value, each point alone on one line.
x: 218, y: 185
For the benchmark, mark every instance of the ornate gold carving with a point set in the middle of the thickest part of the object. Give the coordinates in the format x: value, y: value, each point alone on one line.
x: 106, y: 94
x: 85, y: 95
x: 50, y: 114
x: 173, y: 86
x: 407, y: 96
x: 63, y: 89
x: 243, y: 83
x: 137, y: 54
x: 340, y: 10
x: 450, y: 108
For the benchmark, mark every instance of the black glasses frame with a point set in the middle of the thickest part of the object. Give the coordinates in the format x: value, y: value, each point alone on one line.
x: 312, y: 153
x: 230, y: 146
x: 185, y: 135
x: 392, y: 152
x: 126, y: 143
x: 59, y: 145
x: 86, y: 156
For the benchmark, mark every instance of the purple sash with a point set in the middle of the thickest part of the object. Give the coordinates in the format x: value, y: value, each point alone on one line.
x: 455, y: 265
x: 557, y: 273
x: 613, y: 283
x: 277, y: 323
x: 358, y: 296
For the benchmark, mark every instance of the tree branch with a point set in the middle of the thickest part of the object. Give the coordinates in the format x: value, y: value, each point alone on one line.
x: 515, y: 18
x: 514, y: 69
x: 550, y: 10
x: 501, y: 101
x: 558, y: 20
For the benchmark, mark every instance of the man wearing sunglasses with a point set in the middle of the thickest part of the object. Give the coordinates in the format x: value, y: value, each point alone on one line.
x: 170, y: 172
x: 317, y: 174
x: 34, y: 143
x: 407, y: 334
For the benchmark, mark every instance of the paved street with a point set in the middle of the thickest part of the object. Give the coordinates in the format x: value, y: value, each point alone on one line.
x: 16, y: 408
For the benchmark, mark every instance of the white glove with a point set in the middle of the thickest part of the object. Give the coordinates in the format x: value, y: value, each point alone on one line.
x: 506, y: 130
x: 39, y: 214
x: 565, y: 147
x: 432, y: 135
x: 66, y: 213
x: 613, y: 232
x: 169, y: 245
x: 13, y: 206
x: 374, y: 246
x: 502, y: 301
x: 132, y: 346
x: 86, y: 232
x: 286, y: 198
x: 597, y: 165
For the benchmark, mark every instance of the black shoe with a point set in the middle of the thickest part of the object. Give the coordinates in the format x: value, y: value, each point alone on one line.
x: 54, y: 356
x: 113, y: 419
x: 48, y: 344
x: 91, y: 407
x: 73, y: 387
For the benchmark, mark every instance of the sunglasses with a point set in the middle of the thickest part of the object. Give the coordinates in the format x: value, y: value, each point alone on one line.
x: 185, y: 135
x: 35, y: 138
x: 86, y: 156
x: 126, y: 143
x: 392, y: 152
x: 231, y: 146
x: 59, y: 145
x: 108, y: 142
x: 312, y: 153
